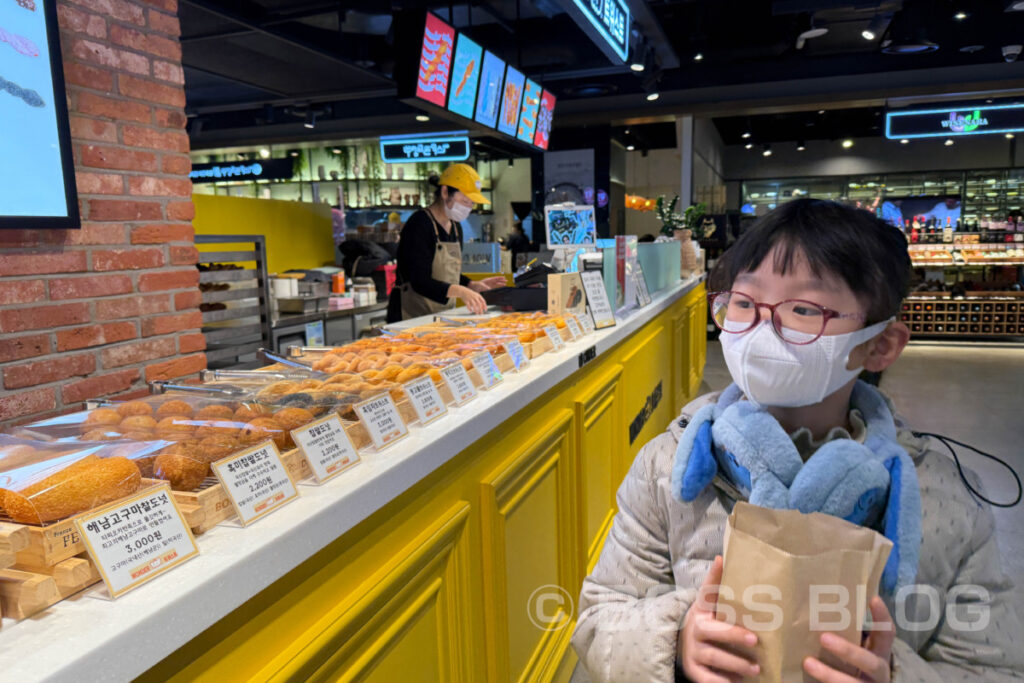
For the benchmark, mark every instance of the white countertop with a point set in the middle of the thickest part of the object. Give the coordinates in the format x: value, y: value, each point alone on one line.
x: 93, y: 638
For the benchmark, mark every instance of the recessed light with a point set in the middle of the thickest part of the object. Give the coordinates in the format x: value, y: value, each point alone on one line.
x: 336, y: 150
x: 904, y: 141
x: 821, y: 111
x: 1009, y: 136
x: 749, y: 145
x: 948, y: 143
x: 630, y: 148
x: 847, y: 143
x: 698, y: 57
x: 767, y: 151
x: 960, y: 16
x: 800, y: 146
x: 637, y: 66
x: 651, y: 97
x: 422, y: 118
x: 745, y: 135
x: 264, y: 153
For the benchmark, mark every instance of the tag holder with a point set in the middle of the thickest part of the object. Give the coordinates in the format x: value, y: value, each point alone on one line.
x: 338, y: 468
x: 239, y: 519
x: 400, y: 423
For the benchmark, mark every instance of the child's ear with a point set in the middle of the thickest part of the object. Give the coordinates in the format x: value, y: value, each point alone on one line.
x: 884, y: 349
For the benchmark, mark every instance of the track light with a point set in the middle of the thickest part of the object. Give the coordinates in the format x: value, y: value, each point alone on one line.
x: 809, y: 31
x: 876, y: 27
x: 847, y: 143
x: 310, y: 119
x: 766, y: 151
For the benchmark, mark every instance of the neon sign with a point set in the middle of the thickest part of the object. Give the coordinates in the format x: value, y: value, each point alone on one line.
x: 396, y: 149
x: 990, y: 120
x: 607, y: 22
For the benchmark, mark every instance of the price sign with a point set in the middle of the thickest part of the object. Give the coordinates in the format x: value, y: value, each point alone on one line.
x: 458, y: 381
x: 517, y: 353
x: 597, y: 299
x: 574, y: 328
x: 553, y: 335
x: 488, y: 369
x: 137, y: 539
x: 257, y: 481
x: 643, y: 297
x: 586, y: 323
x: 381, y: 418
x: 425, y: 400
x: 327, y: 448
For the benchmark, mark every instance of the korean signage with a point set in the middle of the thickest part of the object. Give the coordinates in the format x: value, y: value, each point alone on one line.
x: 264, y: 169
x: 931, y: 123
x: 396, y: 149
x: 607, y: 22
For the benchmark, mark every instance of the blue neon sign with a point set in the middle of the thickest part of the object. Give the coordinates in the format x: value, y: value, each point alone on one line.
x: 944, y: 123
x: 395, y: 149
x: 609, y: 20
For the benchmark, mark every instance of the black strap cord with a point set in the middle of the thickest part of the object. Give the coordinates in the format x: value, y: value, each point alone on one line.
x: 945, y: 442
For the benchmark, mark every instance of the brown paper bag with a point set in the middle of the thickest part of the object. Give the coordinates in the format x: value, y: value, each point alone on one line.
x: 783, y: 568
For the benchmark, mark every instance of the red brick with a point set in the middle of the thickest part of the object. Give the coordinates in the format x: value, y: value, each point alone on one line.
x: 187, y: 343
x: 141, y: 42
x: 28, y: 346
x: 99, y: 183
x: 173, y: 279
x: 184, y: 256
x: 89, y: 286
x: 104, y: 55
x: 150, y: 138
x: 42, y: 263
x: 43, y: 317
x: 118, y: 210
x: 71, y: 19
x: 129, y: 354
x: 180, y: 211
x: 159, y: 187
x: 179, y: 367
x: 120, y: 10
x: 177, y: 164
x: 166, y: 324
x: 166, y: 71
x: 92, y: 129
x: 127, y: 259
x: 21, y: 291
x: 166, y: 5
x: 27, y: 403
x: 151, y: 92
x: 97, y: 233
x: 99, y: 156
x: 49, y: 370
x: 85, y: 76
x: 171, y: 118
x: 186, y: 300
x: 117, y: 109
x: 163, y: 23
x: 161, y: 234
x: 102, y: 385
x: 95, y: 335
x: 132, y: 306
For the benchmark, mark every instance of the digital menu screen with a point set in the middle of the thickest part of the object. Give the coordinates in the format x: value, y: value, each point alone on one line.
x: 511, y: 96
x: 435, y: 61
x: 37, y: 182
x: 544, y: 118
x: 528, y: 114
x: 465, y: 77
x: 492, y: 75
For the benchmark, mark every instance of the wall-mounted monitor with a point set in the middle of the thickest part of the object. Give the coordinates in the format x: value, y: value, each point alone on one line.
x: 528, y: 112
x: 37, y: 171
x: 544, y: 118
x: 492, y: 76
x: 511, y: 96
x: 435, y: 61
x: 465, y: 77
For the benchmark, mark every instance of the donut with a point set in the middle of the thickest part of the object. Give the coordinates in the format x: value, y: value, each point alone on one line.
x: 134, y: 408
x: 174, y: 407
x: 262, y: 429
x: 137, y: 423
x: 216, y: 411
x: 101, y: 417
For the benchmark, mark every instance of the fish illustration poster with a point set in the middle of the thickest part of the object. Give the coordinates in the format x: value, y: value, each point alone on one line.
x: 491, y: 78
x: 465, y: 77
x: 32, y: 183
x: 435, y: 61
x: 528, y: 116
x: 511, y: 96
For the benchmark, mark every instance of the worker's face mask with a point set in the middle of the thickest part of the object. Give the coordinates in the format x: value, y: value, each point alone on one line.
x: 458, y: 211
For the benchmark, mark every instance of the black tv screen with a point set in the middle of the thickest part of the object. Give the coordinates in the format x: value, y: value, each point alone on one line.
x: 37, y: 173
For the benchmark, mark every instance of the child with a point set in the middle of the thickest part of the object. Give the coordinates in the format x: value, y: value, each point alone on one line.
x: 807, y: 298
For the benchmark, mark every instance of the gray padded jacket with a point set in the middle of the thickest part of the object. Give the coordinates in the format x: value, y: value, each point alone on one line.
x: 659, y: 550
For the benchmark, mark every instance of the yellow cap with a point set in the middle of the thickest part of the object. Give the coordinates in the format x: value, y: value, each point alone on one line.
x: 466, y: 180
x: 393, y: 217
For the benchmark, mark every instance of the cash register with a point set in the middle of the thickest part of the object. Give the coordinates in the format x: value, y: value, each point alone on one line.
x: 530, y: 292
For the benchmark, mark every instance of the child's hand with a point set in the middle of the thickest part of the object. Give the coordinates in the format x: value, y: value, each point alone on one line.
x: 707, y: 646
x: 872, y: 660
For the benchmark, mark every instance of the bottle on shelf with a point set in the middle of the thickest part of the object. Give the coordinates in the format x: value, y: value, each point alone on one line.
x: 947, y: 233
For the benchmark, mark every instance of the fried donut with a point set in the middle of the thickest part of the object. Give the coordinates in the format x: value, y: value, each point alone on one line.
x: 134, y: 408
x: 261, y: 429
x: 174, y: 407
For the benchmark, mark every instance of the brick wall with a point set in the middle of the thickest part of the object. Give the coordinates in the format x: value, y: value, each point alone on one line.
x: 99, y: 311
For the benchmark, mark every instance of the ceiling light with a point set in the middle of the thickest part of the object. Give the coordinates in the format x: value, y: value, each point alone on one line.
x: 800, y: 146
x: 1009, y: 136
x: 336, y: 150
x: 766, y: 151
x: 630, y: 148
x: 698, y: 57
x: 310, y: 119
x: 293, y: 153
x: 847, y: 143
x: 876, y: 27
x: 809, y: 31
x: 264, y: 152
x: 960, y: 16
x: 637, y: 66
x: 948, y: 142
x: 422, y: 118
x: 745, y: 135
x: 821, y: 111
x: 749, y: 145
x: 1015, y: 6
x: 904, y: 141
x: 908, y: 34
x: 651, y: 97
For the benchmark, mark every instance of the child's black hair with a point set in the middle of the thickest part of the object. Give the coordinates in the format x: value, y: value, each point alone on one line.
x: 869, y: 255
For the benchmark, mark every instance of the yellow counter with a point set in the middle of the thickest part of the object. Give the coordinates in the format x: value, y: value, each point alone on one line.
x: 437, y: 584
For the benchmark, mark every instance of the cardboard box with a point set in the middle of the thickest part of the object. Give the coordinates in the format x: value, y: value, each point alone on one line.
x: 566, y: 295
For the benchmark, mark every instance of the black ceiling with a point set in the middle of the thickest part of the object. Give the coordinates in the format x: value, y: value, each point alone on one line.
x: 254, y: 67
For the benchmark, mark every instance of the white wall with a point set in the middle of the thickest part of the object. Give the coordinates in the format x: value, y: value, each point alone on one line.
x: 510, y: 184
x: 708, y: 154
x: 649, y: 176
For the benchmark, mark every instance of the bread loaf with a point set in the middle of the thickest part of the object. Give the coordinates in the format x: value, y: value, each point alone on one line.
x: 83, y: 485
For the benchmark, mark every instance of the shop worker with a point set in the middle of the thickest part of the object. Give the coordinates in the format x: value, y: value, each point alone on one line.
x: 805, y: 299
x: 430, y: 251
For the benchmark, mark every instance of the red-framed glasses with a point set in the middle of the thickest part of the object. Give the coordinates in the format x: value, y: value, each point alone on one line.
x: 796, y: 321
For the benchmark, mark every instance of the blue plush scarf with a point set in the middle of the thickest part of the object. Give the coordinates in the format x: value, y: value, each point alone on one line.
x: 871, y: 484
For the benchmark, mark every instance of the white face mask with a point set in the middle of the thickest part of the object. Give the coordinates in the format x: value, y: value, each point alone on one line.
x: 457, y: 212
x: 772, y: 372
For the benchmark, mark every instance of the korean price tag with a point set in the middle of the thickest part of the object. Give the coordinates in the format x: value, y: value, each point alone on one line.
x: 257, y: 482
x: 488, y: 369
x: 425, y: 399
x: 327, y: 448
x: 555, y: 337
x: 136, y: 539
x: 586, y: 323
x: 381, y: 418
x: 597, y: 299
x: 517, y: 353
x: 458, y: 381
x: 574, y: 327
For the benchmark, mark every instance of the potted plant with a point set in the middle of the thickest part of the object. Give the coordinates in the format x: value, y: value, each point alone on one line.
x: 693, y: 219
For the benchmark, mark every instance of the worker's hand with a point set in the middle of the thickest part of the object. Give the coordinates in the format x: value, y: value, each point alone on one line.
x: 494, y: 282
x: 474, y: 302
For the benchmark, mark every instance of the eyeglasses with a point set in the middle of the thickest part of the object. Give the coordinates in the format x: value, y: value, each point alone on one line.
x: 795, y: 321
